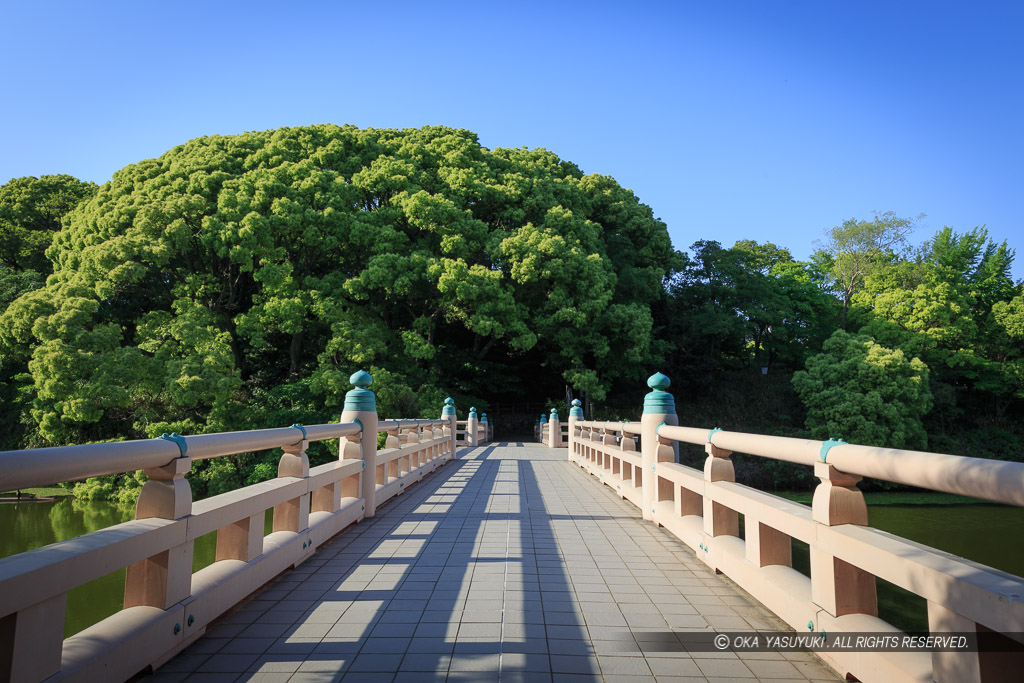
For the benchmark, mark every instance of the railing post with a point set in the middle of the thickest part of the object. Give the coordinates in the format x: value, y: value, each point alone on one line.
x: 165, y: 578
x: 966, y: 667
x: 718, y: 519
x: 659, y: 409
x: 575, y: 415
x: 361, y: 407
x: 486, y: 427
x: 32, y: 640
x: 836, y: 586
x: 472, y: 437
x: 554, y: 430
x: 448, y: 413
x: 293, y: 515
x: 542, y: 426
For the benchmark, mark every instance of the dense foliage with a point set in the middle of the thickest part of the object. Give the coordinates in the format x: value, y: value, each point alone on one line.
x: 236, y: 282
x: 870, y: 394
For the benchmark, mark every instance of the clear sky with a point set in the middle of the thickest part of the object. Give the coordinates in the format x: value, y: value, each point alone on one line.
x: 770, y: 120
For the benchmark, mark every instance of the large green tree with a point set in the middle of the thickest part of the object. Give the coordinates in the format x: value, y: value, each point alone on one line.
x: 748, y: 306
x: 941, y: 307
x: 865, y: 393
x: 237, y: 281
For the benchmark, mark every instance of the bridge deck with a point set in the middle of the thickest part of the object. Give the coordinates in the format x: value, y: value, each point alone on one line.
x: 508, y: 564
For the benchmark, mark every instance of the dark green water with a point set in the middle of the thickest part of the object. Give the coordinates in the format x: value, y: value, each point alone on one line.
x: 989, y: 534
x: 32, y: 525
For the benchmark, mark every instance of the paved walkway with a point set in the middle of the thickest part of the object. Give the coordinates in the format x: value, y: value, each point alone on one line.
x: 509, y: 564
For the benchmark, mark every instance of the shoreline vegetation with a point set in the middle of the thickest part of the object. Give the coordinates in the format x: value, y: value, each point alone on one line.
x: 894, y: 498
x: 235, y: 282
x: 40, y: 493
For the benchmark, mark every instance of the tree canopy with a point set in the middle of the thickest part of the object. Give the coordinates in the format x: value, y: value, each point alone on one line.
x: 31, y: 210
x: 856, y: 249
x: 236, y: 282
x: 865, y: 393
x: 240, y: 274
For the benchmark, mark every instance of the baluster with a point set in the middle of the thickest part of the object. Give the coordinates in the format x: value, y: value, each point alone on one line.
x: 165, y: 578
x: 32, y: 640
x: 718, y: 519
x: 836, y: 586
x: 293, y: 515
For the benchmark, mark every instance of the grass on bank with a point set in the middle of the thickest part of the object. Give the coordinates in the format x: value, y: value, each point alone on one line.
x: 41, y: 492
x: 893, y: 498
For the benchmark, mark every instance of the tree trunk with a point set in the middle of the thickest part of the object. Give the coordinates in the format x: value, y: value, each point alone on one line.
x: 295, y: 353
x: 487, y: 347
x: 236, y: 345
x: 846, y: 304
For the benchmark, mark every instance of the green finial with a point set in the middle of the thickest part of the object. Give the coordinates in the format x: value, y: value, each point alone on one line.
x: 483, y: 418
x: 543, y: 419
x: 658, y: 381
x: 360, y: 398
x: 576, y: 410
x: 449, y: 407
x: 554, y: 415
x: 659, y: 400
x: 472, y: 413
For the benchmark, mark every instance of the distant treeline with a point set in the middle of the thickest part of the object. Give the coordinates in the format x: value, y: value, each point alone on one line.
x: 236, y: 282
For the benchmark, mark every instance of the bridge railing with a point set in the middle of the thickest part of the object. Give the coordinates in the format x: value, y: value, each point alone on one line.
x: 167, y: 606
x: 551, y: 432
x: 703, y: 509
x: 475, y: 431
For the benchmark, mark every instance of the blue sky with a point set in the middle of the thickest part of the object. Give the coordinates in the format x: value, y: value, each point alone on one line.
x: 769, y: 120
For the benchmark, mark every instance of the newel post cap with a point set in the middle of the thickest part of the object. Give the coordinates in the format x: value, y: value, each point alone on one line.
x: 449, y: 407
x: 576, y: 410
x: 361, y: 398
x: 658, y: 400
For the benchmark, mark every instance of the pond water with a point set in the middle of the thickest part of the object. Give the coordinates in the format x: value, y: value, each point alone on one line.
x: 992, y: 535
x: 28, y: 525
x: 989, y: 534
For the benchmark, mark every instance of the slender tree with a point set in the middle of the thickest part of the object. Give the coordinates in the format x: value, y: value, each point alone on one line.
x: 856, y: 249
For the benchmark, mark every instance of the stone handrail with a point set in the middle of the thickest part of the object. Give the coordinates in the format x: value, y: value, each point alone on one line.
x: 702, y: 508
x: 611, y: 427
x: 167, y: 606
x: 994, y: 480
x: 45, y: 466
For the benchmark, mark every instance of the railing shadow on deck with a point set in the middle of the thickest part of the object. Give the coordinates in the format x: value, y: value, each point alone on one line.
x: 639, y: 460
x: 166, y: 605
x: 431, y: 621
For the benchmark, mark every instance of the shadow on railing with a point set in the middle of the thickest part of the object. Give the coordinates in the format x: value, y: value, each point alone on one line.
x: 166, y: 605
x: 839, y: 597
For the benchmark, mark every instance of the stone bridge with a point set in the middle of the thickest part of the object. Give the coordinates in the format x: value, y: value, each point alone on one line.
x: 446, y: 556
